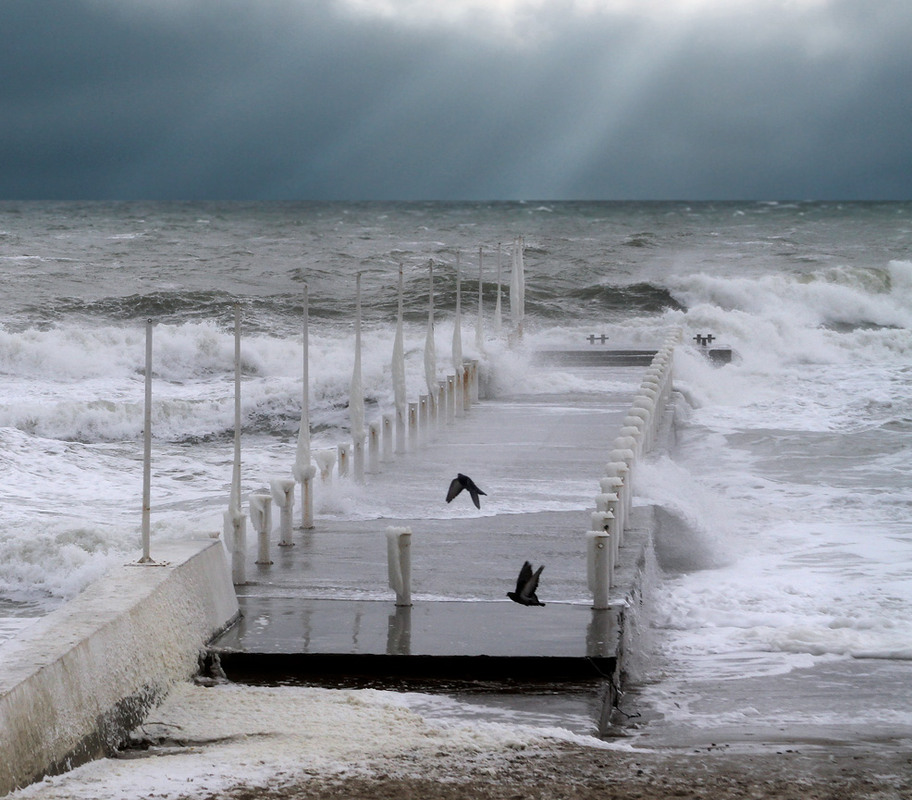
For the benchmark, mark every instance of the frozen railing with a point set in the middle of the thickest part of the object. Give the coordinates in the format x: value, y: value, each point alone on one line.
x: 637, y: 435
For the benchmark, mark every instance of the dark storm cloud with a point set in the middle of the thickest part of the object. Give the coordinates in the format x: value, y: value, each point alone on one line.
x: 305, y: 99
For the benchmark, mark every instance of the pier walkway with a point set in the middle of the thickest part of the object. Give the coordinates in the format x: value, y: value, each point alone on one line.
x: 324, y: 610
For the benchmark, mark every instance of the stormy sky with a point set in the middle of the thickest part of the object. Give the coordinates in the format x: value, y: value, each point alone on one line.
x: 455, y: 99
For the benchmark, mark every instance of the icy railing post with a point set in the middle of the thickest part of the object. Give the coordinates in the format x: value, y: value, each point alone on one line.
x: 413, y: 427
x: 147, y: 454
x: 458, y: 368
x: 235, y: 522
x: 498, y: 310
x: 303, y: 470
x: 356, y: 396
x: 466, y: 388
x: 399, y: 559
x: 326, y: 460
x: 441, y: 404
x: 236, y: 534
x: 518, y: 290
x: 387, y: 422
x: 479, y: 320
x: 261, y: 519
x: 473, y: 381
x: 430, y: 353
x: 424, y: 418
x: 373, y: 447
x: 398, y: 371
x: 283, y: 496
x: 598, y: 563
x: 344, y: 452
x: 451, y: 398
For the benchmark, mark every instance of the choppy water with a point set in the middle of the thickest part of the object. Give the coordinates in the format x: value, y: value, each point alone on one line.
x: 787, y: 500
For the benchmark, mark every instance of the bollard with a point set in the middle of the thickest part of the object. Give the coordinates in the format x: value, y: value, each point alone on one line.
x: 412, y: 427
x: 387, y: 423
x: 326, y: 460
x: 235, y: 528
x: 466, y: 388
x: 283, y: 496
x: 614, y: 485
x: 373, y: 447
x: 344, y: 451
x: 261, y: 519
x: 598, y: 563
x: 604, y: 500
x: 399, y: 561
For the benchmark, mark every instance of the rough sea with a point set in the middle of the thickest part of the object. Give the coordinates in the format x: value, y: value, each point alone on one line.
x: 781, y: 598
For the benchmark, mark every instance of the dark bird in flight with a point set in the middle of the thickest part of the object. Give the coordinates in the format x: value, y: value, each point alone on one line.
x: 526, y: 584
x: 461, y: 482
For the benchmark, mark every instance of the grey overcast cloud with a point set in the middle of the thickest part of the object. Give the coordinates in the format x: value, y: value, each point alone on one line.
x: 456, y: 99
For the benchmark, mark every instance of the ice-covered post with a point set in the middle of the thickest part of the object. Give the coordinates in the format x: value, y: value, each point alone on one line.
x: 459, y: 406
x: 430, y: 348
x: 147, y: 454
x: 388, y: 421
x: 518, y: 290
x: 283, y: 496
x: 304, y: 471
x: 399, y: 559
x: 424, y: 418
x: 344, y: 453
x: 451, y: 398
x: 356, y: 396
x: 326, y: 460
x: 413, y: 426
x: 373, y: 446
x: 441, y: 404
x: 479, y: 322
x: 261, y: 519
x: 398, y: 369
x: 235, y: 525
x: 498, y: 312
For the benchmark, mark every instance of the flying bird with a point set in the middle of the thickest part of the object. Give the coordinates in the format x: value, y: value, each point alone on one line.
x: 461, y: 482
x: 526, y: 584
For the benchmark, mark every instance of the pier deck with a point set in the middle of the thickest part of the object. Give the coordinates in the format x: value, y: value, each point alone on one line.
x: 323, y: 609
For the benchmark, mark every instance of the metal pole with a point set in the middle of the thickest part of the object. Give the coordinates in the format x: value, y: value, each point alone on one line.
x: 147, y: 452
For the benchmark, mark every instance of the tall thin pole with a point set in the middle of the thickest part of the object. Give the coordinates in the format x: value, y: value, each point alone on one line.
x: 236, y: 474
x: 147, y: 453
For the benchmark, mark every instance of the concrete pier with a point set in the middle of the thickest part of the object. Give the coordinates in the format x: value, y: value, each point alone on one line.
x: 325, y: 613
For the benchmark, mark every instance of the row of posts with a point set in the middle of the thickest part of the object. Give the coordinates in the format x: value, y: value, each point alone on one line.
x: 636, y: 437
x: 393, y: 433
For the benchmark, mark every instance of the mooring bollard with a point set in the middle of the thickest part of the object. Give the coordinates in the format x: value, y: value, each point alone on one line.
x: 373, y: 447
x: 344, y: 453
x: 388, y: 421
x: 261, y: 519
x: 598, y: 563
x: 283, y: 496
x: 399, y: 560
x: 326, y: 460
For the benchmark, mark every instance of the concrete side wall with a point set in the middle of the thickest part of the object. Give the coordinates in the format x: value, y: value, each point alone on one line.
x: 76, y: 682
